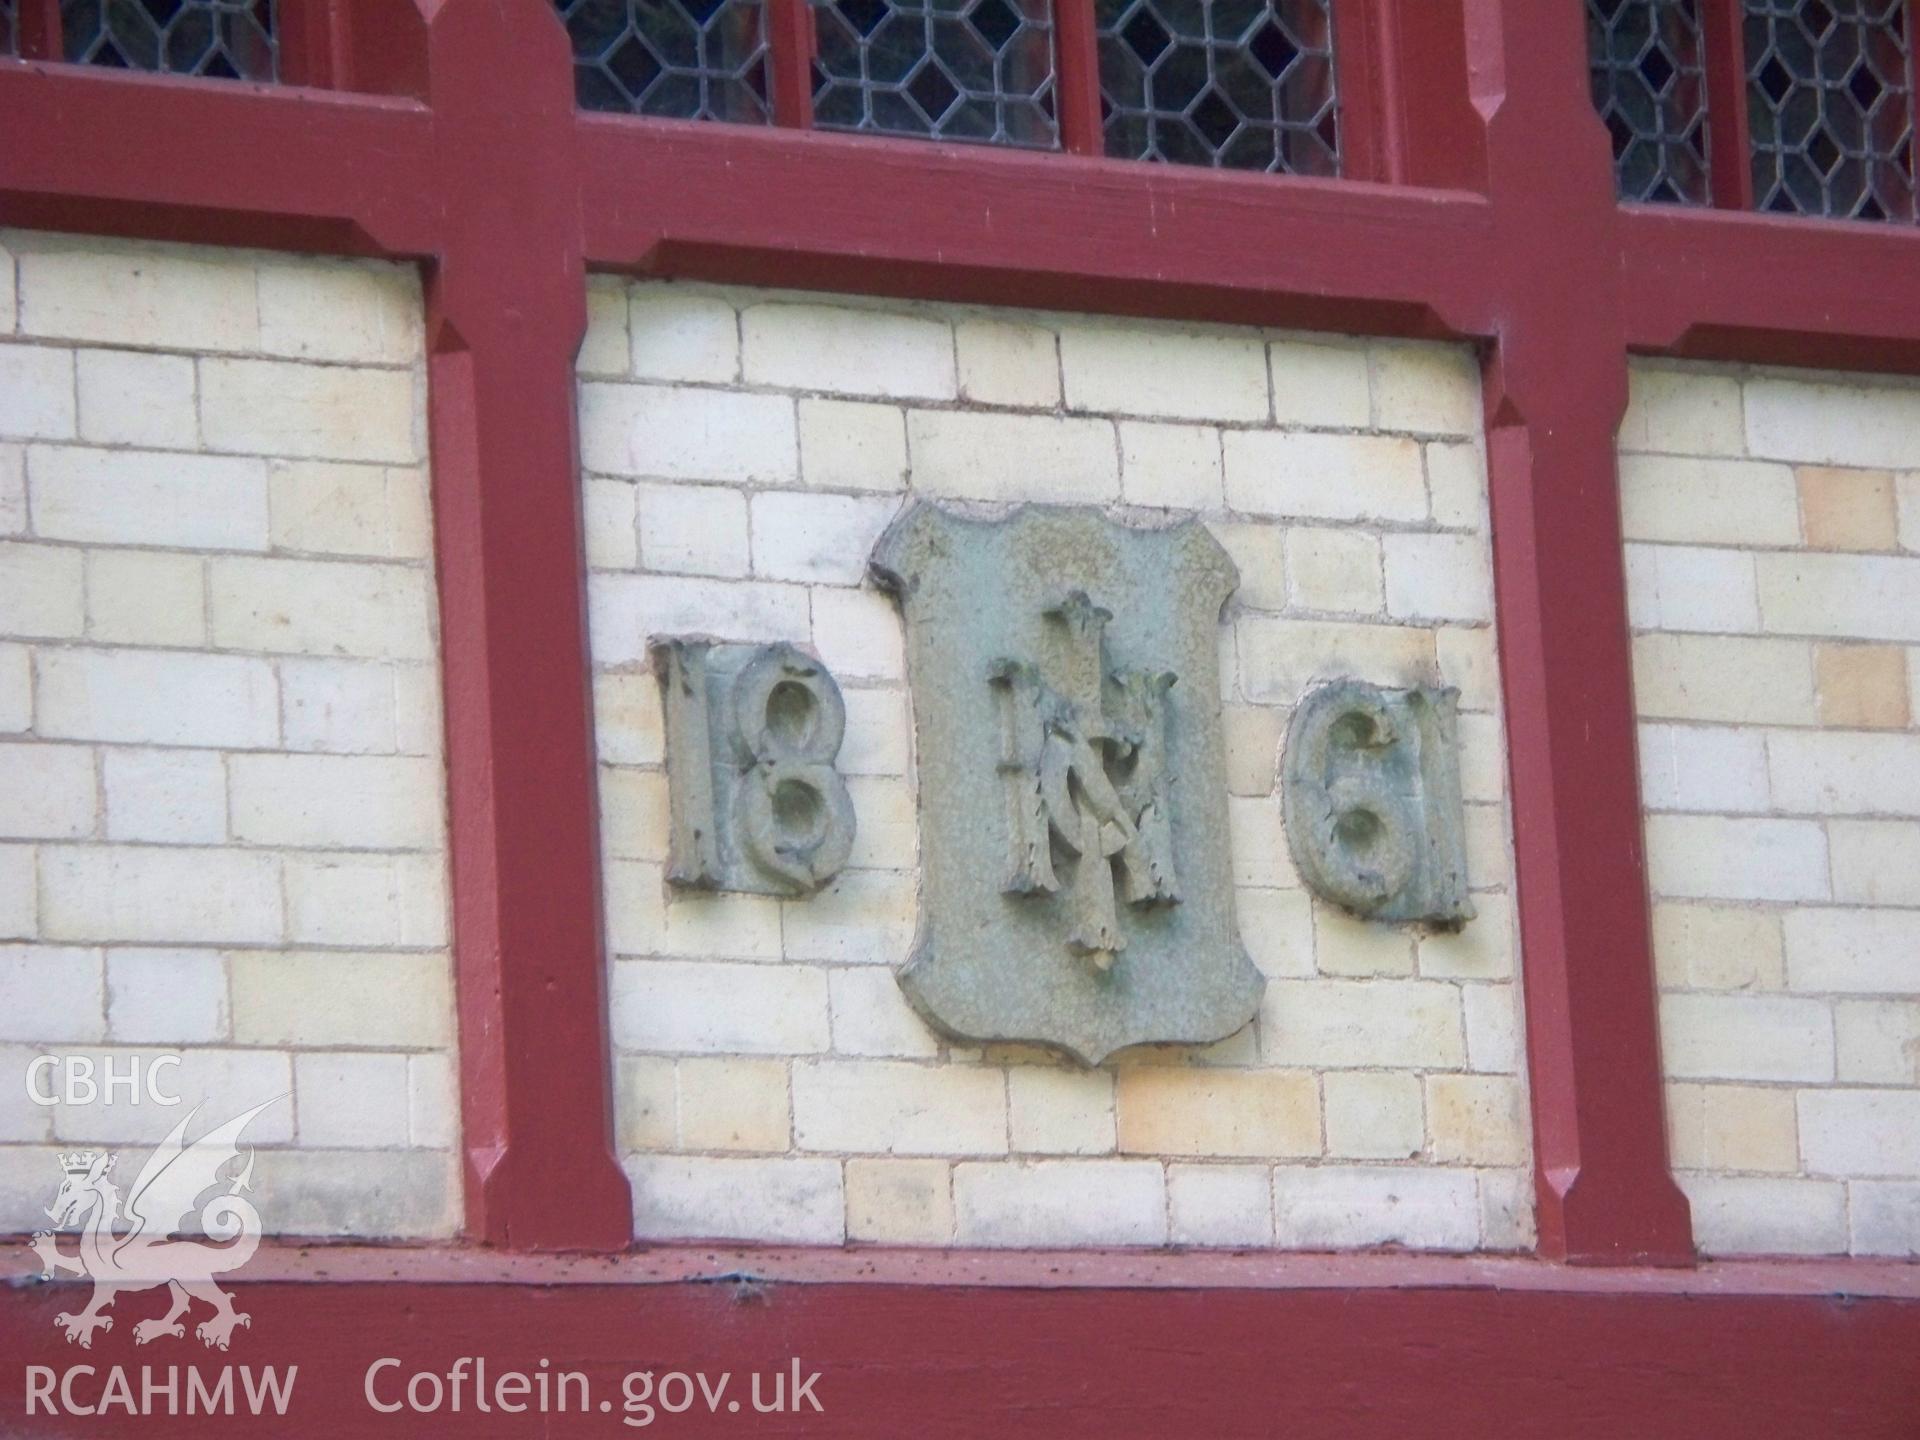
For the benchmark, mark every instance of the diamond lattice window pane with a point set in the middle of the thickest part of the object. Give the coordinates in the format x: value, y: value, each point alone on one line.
x: 950, y: 69
x: 1649, y: 86
x: 1830, y: 107
x: 8, y: 44
x: 1245, y: 84
x: 233, y: 39
x: 689, y: 59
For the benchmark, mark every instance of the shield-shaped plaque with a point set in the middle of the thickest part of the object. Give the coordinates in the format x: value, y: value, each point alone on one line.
x: 1077, y: 885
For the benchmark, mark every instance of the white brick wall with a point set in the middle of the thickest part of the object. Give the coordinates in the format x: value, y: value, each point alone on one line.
x: 221, y: 789
x: 1773, y: 584
x: 741, y: 452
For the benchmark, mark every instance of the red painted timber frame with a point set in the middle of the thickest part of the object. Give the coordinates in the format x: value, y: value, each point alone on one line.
x: 450, y: 139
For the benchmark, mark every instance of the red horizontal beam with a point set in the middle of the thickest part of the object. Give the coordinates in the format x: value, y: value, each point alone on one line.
x: 931, y: 1357
x: 989, y: 226
x: 1768, y: 289
x: 154, y: 157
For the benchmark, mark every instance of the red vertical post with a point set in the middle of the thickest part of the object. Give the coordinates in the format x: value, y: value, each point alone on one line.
x: 506, y: 309
x: 37, y: 33
x: 1729, y: 157
x: 306, y: 42
x: 1362, y: 42
x: 1076, y: 80
x: 1556, y: 387
x: 790, y: 48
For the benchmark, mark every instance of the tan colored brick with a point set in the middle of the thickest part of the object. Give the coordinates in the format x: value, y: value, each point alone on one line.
x: 644, y: 1104
x: 1709, y: 947
x: 1281, y: 658
x: 1862, y: 686
x: 603, y: 350
x: 626, y: 718
x: 899, y: 1202
x: 139, y: 597
x: 1848, y: 509
x: 1277, y: 928
x: 1681, y: 410
x: 1320, y: 385
x: 1723, y: 677
x: 321, y: 412
x: 1708, y: 502
x: 1426, y: 388
x: 1007, y: 364
x: 727, y: 1103
x: 1253, y: 747
x: 1174, y: 1110
x: 1343, y: 945
x: 633, y: 812
x: 1733, y: 1127
x: 1477, y: 1119
x: 307, y: 998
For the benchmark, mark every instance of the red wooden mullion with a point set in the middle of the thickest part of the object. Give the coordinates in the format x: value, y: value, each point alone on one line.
x: 1729, y: 155
x: 1076, y: 81
x: 791, y: 40
x: 306, y: 30
x: 37, y: 30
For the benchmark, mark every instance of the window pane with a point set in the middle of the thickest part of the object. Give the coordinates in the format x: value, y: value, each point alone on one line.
x: 689, y: 59
x: 229, y: 38
x: 1649, y: 86
x: 1830, y: 107
x: 7, y: 42
x: 949, y: 69
x: 1246, y: 84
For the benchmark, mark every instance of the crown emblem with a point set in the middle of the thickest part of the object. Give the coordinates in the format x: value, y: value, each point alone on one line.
x: 79, y: 1162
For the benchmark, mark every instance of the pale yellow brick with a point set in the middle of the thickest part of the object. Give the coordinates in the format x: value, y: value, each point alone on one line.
x: 779, y: 1200
x: 1048, y: 1203
x: 304, y: 998
x: 1860, y: 1132
x: 603, y: 350
x: 345, y: 707
x: 1362, y: 1023
x: 1334, y: 570
x: 1682, y: 410
x: 1457, y: 485
x: 1834, y: 951
x: 625, y: 613
x: 1708, y: 502
x: 130, y: 398
x: 879, y: 733
x: 1281, y: 658
x: 823, y: 539
x: 1260, y: 855
x: 1373, y: 1115
x: 1476, y: 1120
x: 42, y: 592
x: 1004, y: 363
x: 140, y: 497
x: 1907, y: 494
x: 322, y: 607
x: 1709, y: 947
x: 858, y: 634
x: 852, y: 445
x: 149, y: 295
x: 433, y: 1101
x: 1838, y: 772
x: 1175, y: 1110
x: 1875, y: 862
x: 889, y: 823
x: 899, y: 1202
x: 1883, y: 1218
x: 728, y: 1103
x: 1252, y: 735
x: 645, y: 1107
x: 1057, y: 1111
x: 1732, y: 1127
x: 331, y: 412
x: 1332, y: 1207
x: 9, y: 299
x: 1343, y: 945
x: 1727, y: 678
x: 693, y: 530
x: 1320, y: 385
x: 1481, y: 949
x: 676, y: 433
x: 1746, y: 1037
x: 1427, y: 389
x: 872, y: 1017
x: 47, y: 792
x: 1709, y: 857
x: 161, y: 894
x: 172, y: 797
x: 609, y: 522
x: 1848, y: 597
x: 157, y: 697
x: 1170, y: 465
x: 1483, y: 758
x: 362, y: 899
x: 1862, y: 686
x: 1877, y: 1042
x: 1848, y: 509
x: 1506, y: 1211
x: 1468, y: 661
x: 682, y: 335
x: 348, y: 509
x: 336, y: 801
x: 349, y: 1100
x: 701, y: 1007
x: 633, y: 812
x: 847, y: 351
x: 1138, y: 369
x: 19, y: 886
x: 1258, y: 552
x: 896, y: 1108
x: 51, y: 994
x: 1438, y: 577
x: 13, y: 489
x: 355, y: 311
x: 1489, y: 847
x: 137, y: 597
x: 1277, y: 928
x: 16, y: 687
x: 1332, y: 477
x: 1493, y: 1027
x: 980, y: 456
x: 706, y: 924
x: 626, y: 717
x: 36, y: 393
x: 1832, y: 423
x: 1685, y: 587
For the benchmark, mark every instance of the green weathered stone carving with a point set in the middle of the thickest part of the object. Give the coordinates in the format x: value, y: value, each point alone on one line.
x: 1077, y: 888
x: 1371, y: 797
x: 752, y: 734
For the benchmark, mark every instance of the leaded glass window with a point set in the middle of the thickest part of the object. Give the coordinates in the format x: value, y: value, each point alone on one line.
x: 1830, y: 107
x: 694, y: 59
x: 1243, y: 84
x: 229, y: 38
x: 1647, y: 69
x: 8, y: 44
x: 946, y: 69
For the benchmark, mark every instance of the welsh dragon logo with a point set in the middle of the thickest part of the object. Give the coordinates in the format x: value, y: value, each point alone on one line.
x: 135, y: 1246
